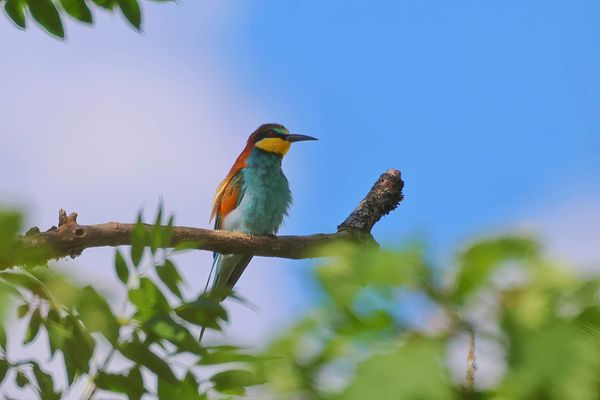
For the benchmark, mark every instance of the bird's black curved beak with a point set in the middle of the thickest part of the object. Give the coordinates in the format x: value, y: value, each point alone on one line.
x: 299, y: 138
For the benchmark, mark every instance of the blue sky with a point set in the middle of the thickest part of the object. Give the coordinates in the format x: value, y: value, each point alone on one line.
x: 486, y: 107
x: 489, y: 108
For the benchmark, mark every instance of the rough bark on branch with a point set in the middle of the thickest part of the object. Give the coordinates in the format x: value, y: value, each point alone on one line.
x: 70, y: 238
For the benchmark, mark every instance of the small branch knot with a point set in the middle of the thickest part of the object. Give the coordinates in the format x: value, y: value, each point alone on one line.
x: 64, y: 219
x: 32, y: 231
x: 384, y: 196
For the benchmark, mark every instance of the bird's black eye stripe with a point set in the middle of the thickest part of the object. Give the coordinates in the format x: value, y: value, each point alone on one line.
x: 262, y: 135
x: 270, y: 134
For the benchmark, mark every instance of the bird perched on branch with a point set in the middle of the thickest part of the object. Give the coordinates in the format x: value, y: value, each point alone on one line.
x: 253, y: 198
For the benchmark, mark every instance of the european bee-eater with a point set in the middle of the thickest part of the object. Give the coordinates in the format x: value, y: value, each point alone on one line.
x: 254, y: 196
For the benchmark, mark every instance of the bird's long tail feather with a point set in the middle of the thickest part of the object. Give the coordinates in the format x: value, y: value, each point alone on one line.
x: 212, y: 268
x: 228, y: 270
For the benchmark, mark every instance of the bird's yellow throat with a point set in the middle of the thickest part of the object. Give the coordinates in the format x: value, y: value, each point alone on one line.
x: 274, y: 145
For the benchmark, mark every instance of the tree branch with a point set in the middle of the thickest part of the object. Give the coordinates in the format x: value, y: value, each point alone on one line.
x: 384, y: 197
x: 70, y: 238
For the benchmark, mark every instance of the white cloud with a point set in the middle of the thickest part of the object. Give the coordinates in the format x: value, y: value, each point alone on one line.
x: 107, y: 123
x: 568, y: 226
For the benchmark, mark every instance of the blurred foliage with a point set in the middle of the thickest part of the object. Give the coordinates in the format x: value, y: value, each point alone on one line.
x: 49, y: 14
x: 384, y: 328
x: 155, y: 327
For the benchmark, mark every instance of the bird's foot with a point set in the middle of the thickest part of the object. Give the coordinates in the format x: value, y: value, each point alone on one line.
x: 269, y: 235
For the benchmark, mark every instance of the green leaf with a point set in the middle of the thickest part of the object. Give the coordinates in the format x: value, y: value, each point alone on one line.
x: 78, y: 349
x: 22, y: 310
x: 34, y: 326
x: 169, y: 275
x: 168, y: 391
x: 121, y: 267
x: 414, y: 371
x: 112, y: 382
x: 58, y: 334
x: 10, y: 222
x: 149, y: 300
x: 61, y: 290
x: 46, y: 14
x: 234, y: 381
x: 185, y: 246
x: 3, y: 337
x: 225, y: 356
x: 53, y: 315
x: 131, y: 384
x: 164, y: 327
x: 107, y: 4
x: 78, y: 9
x: 96, y: 314
x: 21, y: 379
x: 536, y: 360
x: 136, y: 384
x: 8, y: 289
x: 156, y: 232
x: 185, y: 390
x: 138, y: 241
x: 4, y: 367
x: 345, y: 277
x: 142, y: 355
x: 26, y: 281
x: 204, y: 311
x: 167, y: 232
x: 45, y: 383
x: 131, y: 11
x: 15, y: 9
x: 477, y: 264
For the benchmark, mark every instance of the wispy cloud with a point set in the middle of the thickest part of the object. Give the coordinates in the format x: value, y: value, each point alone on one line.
x: 107, y: 126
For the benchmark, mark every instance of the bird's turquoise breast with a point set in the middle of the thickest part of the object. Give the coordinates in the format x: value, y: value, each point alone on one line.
x: 266, y: 193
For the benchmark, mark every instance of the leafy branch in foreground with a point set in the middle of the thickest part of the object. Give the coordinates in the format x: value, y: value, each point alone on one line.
x: 49, y: 13
x: 389, y: 322
x: 152, y: 332
x: 386, y: 325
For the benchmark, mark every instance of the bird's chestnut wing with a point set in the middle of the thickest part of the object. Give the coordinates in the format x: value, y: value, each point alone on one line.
x: 228, y: 196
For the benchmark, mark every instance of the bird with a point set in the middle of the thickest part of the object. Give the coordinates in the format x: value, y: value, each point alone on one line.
x: 253, y: 198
